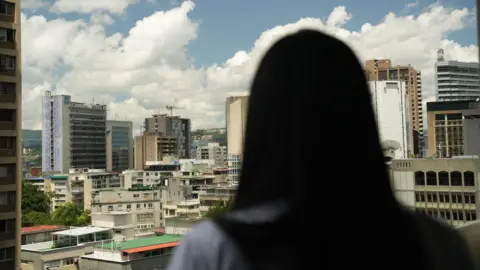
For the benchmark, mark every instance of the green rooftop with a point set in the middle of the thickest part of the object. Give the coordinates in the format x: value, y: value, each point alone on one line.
x: 141, y: 242
x: 59, y: 177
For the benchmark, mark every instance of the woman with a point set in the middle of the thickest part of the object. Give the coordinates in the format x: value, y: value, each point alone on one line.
x: 312, y: 146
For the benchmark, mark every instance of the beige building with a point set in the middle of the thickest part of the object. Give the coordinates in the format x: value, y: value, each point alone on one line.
x: 119, y: 145
x: 236, y: 120
x: 10, y: 132
x: 446, y: 189
x: 383, y: 70
x: 77, y: 186
x: 210, y: 196
x: 152, y: 146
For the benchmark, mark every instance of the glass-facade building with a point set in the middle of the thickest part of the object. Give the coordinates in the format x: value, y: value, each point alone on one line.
x: 119, y: 146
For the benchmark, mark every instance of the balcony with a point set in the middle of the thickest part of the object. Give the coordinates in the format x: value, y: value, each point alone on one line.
x: 7, y: 125
x: 7, y: 14
x: 7, y: 153
x: 77, y: 190
x: 5, y: 236
x: 8, y: 98
x: 7, y: 208
x: 7, y: 180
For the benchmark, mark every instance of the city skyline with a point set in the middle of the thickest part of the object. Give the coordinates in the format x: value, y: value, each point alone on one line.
x: 138, y: 70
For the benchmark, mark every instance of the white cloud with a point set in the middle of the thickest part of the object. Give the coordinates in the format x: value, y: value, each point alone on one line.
x: 411, y: 5
x: 138, y: 73
x: 33, y: 4
x: 87, y: 6
x: 101, y: 18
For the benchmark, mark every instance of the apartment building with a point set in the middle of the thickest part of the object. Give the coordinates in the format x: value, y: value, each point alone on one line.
x: 213, y: 151
x: 77, y: 186
x: 390, y: 109
x: 453, y: 128
x: 10, y: 132
x: 440, y: 188
x: 211, y: 195
x: 152, y: 175
x: 236, y: 119
x: 384, y: 70
x: 73, y: 134
x: 171, y: 126
x: 131, y: 213
x: 119, y: 145
x: 456, y: 80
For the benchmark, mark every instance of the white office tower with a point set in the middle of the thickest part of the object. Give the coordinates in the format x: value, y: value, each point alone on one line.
x: 456, y: 80
x: 390, y: 109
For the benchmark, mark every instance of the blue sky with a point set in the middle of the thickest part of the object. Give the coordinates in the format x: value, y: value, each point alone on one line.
x: 229, y: 26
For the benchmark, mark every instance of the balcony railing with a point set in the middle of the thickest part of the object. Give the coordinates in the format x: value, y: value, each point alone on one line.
x: 7, y: 180
x: 5, y: 236
x: 8, y: 98
x: 7, y: 125
x: 7, y: 18
x: 7, y: 45
x: 7, y: 208
x: 7, y: 152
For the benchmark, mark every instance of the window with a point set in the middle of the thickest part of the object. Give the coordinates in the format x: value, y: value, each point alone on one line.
x: 7, y: 197
x: 136, y: 195
x: 7, y: 62
x: 129, y: 206
x: 7, y: 225
x: 110, y: 208
x: 6, y: 254
x: 69, y: 261
x: 138, y: 206
x: 7, y: 8
x: 150, y: 205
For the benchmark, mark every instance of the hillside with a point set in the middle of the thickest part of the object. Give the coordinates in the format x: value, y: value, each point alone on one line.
x: 32, y: 138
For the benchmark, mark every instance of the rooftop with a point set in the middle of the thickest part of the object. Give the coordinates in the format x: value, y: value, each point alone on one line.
x: 81, y: 231
x: 41, y: 228
x: 39, y: 247
x: 154, y: 241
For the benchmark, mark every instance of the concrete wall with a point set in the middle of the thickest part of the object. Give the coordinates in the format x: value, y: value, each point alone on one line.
x: 150, y: 263
x: 471, y: 136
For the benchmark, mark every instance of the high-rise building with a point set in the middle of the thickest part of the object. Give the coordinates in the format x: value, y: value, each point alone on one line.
x: 383, y: 70
x: 73, y: 134
x: 119, y: 145
x: 390, y: 109
x: 453, y: 128
x: 10, y: 134
x: 236, y: 119
x: 152, y: 146
x: 172, y: 126
x: 456, y: 80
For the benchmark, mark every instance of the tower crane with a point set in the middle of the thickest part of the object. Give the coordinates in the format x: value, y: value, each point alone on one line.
x: 171, y: 108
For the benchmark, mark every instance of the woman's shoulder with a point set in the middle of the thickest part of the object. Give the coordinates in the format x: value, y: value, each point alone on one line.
x: 207, y: 247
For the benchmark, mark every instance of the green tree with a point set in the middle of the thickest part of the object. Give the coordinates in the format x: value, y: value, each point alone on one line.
x: 36, y: 218
x: 71, y: 215
x: 220, y: 208
x: 35, y: 200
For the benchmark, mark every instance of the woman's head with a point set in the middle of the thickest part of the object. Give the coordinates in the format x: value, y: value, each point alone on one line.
x: 310, y: 120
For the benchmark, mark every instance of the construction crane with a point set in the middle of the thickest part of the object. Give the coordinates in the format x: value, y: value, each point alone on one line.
x: 171, y: 108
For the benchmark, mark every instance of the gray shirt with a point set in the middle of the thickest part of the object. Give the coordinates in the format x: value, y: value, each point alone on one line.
x: 206, y: 248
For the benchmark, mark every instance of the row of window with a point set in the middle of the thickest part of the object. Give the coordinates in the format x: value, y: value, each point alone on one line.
x: 129, y: 206
x: 444, y: 178
x: 445, y: 197
x: 457, y: 215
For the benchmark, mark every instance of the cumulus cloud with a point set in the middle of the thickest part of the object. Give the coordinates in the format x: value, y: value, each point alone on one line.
x: 138, y: 73
x: 87, y: 6
x: 34, y: 4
